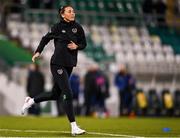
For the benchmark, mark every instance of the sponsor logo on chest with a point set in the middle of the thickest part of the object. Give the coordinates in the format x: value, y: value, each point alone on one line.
x: 74, y: 30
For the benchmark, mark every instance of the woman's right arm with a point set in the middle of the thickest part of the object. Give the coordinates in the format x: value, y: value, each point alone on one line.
x: 44, y: 41
x: 36, y: 55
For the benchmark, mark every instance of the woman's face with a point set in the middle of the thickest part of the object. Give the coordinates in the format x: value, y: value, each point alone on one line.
x: 69, y: 14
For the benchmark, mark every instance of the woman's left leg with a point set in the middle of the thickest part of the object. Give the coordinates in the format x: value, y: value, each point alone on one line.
x: 61, y: 78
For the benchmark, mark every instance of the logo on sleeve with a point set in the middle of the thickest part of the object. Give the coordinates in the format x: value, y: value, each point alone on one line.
x: 64, y: 97
x: 50, y: 31
x: 63, y: 31
x: 74, y: 30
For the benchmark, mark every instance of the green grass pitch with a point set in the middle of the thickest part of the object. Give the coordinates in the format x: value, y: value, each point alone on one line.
x: 95, y: 127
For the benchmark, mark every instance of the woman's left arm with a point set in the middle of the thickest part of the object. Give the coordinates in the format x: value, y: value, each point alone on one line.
x: 81, y: 39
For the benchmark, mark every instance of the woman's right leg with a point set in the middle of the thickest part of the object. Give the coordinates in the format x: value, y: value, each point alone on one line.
x: 54, y: 95
x: 46, y: 96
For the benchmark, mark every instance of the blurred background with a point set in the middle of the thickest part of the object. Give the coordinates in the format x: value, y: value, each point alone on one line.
x: 130, y: 67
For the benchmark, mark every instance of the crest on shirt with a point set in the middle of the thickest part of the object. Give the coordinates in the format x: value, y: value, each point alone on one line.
x: 74, y: 30
x: 60, y: 71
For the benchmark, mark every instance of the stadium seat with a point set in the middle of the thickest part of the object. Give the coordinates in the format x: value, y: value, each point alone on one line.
x: 170, y: 58
x: 92, y: 5
x: 177, y: 103
x: 128, y: 6
x: 160, y: 59
x: 177, y: 58
x: 167, y: 101
x: 141, y: 102
x: 140, y: 58
x: 150, y: 58
x: 154, y: 104
x: 120, y: 58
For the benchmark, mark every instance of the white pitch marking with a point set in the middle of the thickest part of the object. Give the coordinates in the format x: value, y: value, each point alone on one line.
x: 51, y: 131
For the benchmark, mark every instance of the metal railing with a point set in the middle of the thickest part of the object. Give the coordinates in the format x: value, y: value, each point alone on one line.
x: 106, y: 18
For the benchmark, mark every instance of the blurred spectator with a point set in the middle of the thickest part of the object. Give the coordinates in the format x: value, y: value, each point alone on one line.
x: 3, y: 17
x: 15, y: 8
x: 160, y: 10
x: 154, y: 9
x: 126, y: 85
x: 177, y: 102
x: 35, y: 86
x: 147, y: 7
x: 102, y: 92
x: 89, y: 89
x: 177, y: 7
x: 75, y: 86
x: 96, y: 91
x: 0, y: 17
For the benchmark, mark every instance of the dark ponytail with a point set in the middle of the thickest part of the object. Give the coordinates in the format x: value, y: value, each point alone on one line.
x: 62, y: 9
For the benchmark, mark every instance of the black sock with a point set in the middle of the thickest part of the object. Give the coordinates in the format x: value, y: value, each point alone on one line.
x: 68, y: 107
x: 46, y: 96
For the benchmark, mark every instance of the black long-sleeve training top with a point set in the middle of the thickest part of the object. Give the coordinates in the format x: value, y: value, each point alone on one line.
x: 63, y: 33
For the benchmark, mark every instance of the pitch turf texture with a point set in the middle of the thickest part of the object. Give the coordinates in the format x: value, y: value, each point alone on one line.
x: 111, y: 127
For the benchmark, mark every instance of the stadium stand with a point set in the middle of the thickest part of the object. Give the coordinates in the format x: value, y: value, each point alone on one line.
x: 11, y: 53
x: 11, y: 91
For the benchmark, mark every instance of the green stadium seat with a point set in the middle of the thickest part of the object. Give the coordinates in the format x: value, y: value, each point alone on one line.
x: 128, y: 7
x: 120, y: 6
x: 81, y: 5
x: 60, y: 3
x: 101, y: 5
x: 137, y: 6
x: 73, y: 4
x: 39, y: 17
x: 92, y: 5
x: 98, y: 56
x: 110, y: 5
x: 28, y: 16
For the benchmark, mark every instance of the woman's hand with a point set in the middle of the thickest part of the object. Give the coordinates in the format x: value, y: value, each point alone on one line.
x: 72, y: 46
x: 36, y: 55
